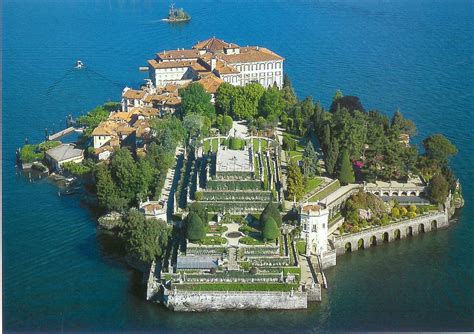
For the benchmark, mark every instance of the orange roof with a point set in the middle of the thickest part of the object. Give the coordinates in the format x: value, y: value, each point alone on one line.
x: 251, y: 54
x: 105, y: 128
x: 121, y: 116
x: 149, y: 208
x: 178, y: 54
x: 170, y: 64
x: 210, y: 83
x: 134, y: 94
x: 223, y: 68
x: 311, y: 208
x: 214, y: 44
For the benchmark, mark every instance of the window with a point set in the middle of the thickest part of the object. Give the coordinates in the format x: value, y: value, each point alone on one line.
x: 313, y: 228
x: 305, y: 227
x: 324, y: 225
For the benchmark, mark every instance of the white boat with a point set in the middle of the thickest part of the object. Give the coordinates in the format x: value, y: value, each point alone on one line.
x: 79, y: 64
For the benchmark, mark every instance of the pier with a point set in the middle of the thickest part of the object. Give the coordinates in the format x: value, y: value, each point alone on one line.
x: 61, y: 133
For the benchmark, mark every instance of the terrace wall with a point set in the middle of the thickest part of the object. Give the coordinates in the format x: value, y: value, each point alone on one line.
x: 191, y: 301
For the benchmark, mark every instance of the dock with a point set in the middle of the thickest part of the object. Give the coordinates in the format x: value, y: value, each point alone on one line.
x: 61, y: 133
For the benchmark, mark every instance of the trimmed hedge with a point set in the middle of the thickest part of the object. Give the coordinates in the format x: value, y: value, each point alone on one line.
x: 234, y: 185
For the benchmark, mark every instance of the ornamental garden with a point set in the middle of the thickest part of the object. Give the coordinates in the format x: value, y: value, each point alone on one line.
x: 234, y: 173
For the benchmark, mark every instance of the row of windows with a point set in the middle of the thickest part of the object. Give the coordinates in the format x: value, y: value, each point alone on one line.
x: 260, y: 66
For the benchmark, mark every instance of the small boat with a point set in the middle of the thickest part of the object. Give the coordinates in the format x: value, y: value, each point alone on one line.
x: 177, y: 15
x: 79, y: 65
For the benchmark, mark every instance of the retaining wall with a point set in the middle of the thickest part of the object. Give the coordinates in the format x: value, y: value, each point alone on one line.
x: 191, y: 301
x: 391, y: 232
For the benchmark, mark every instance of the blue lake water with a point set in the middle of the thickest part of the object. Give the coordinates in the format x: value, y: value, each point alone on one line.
x: 58, y: 274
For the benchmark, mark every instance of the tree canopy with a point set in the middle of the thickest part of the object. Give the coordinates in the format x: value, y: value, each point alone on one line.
x: 346, y: 172
x: 270, y: 229
x: 295, y: 182
x: 195, y: 229
x: 194, y: 99
x: 438, y: 189
x: 271, y: 211
x: 439, y: 148
x: 145, y: 238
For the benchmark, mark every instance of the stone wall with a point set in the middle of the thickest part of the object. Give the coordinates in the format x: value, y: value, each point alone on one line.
x: 193, y: 301
x: 328, y: 259
x: 391, y: 232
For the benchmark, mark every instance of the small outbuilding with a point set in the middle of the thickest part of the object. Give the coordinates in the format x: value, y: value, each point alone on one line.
x: 63, y: 153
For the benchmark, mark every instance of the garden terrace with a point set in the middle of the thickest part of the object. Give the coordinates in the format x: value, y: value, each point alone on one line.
x: 234, y: 207
x: 236, y: 287
x: 237, y: 196
x: 233, y: 277
x: 267, y: 261
x: 261, y: 250
x: 206, y: 250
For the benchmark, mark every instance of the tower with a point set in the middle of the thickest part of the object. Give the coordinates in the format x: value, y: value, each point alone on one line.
x: 314, y: 223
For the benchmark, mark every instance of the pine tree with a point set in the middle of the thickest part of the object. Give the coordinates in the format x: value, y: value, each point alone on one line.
x: 326, y: 140
x: 310, y: 160
x: 331, y: 158
x: 346, y: 173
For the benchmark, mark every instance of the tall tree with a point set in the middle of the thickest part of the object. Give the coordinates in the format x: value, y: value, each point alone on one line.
x: 225, y: 96
x: 271, y: 211
x: 402, y: 125
x: 326, y: 138
x: 295, y: 182
x: 439, y: 148
x: 310, y: 161
x: 194, y: 99
x: 346, y: 172
x: 195, y: 230
x: 271, y: 104
x: 331, y: 157
x: 108, y: 194
x: 124, y: 172
x: 145, y: 238
x: 438, y: 189
x: 270, y: 230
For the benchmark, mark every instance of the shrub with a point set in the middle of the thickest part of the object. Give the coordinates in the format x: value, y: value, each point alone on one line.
x: 403, y: 211
x: 198, y: 195
x: 270, y: 230
x: 253, y: 270
x: 411, y: 214
x: 413, y: 208
x: 236, y: 143
x: 395, y: 212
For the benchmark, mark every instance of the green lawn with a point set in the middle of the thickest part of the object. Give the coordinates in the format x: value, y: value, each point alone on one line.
x: 312, y: 184
x: 325, y: 192
x: 248, y: 240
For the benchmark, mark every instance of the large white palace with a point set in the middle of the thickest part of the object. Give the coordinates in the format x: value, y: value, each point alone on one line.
x: 223, y: 61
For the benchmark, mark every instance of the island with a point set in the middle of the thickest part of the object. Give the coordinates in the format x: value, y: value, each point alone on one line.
x: 177, y: 15
x: 229, y: 192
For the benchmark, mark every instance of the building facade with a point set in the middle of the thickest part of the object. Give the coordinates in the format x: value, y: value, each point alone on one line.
x: 314, y: 222
x: 226, y: 61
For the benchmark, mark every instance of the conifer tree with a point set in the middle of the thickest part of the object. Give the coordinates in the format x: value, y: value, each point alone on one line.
x: 346, y: 173
x: 270, y: 230
x: 333, y: 154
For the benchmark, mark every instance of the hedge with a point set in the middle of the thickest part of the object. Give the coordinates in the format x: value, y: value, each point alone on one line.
x: 234, y: 185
